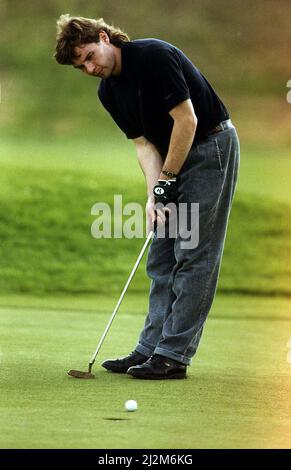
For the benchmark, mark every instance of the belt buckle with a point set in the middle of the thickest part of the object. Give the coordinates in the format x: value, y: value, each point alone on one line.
x: 225, y: 124
x: 216, y: 129
x: 222, y: 126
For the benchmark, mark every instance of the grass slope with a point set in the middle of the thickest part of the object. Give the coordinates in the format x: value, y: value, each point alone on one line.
x: 45, y: 218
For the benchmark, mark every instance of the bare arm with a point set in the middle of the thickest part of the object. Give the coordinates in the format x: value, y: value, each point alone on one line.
x: 150, y: 162
x: 183, y: 132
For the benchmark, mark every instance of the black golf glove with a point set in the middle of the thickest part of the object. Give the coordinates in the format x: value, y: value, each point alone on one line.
x: 166, y: 191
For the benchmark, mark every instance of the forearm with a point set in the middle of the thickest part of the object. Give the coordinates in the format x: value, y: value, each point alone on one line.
x: 151, y: 164
x: 182, y: 137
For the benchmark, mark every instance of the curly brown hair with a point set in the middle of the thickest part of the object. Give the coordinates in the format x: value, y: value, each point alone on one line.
x: 74, y: 31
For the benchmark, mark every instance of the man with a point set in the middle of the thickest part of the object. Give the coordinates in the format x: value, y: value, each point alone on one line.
x: 188, y: 150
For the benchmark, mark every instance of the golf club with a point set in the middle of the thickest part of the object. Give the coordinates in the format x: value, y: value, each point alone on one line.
x: 89, y: 375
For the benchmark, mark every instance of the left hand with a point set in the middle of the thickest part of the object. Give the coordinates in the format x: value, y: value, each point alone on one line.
x: 166, y: 191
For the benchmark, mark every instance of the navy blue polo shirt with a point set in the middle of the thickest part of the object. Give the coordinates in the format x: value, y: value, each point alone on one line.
x: 157, y: 76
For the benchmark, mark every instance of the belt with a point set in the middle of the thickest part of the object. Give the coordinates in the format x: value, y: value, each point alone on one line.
x: 222, y: 126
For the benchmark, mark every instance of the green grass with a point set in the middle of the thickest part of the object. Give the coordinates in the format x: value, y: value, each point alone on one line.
x: 236, y: 396
x: 58, y: 287
x: 47, y: 193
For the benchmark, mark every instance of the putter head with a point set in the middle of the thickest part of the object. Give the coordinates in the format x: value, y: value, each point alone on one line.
x: 80, y: 375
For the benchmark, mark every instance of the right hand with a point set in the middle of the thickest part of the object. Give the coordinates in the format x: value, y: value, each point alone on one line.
x: 154, y: 215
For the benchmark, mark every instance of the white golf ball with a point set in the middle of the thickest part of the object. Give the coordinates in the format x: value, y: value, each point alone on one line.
x: 131, y: 405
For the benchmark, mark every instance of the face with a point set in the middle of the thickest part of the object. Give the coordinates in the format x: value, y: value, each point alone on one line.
x: 96, y: 59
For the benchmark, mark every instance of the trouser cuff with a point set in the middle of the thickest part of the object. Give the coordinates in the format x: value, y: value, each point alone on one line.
x: 171, y: 355
x: 145, y: 350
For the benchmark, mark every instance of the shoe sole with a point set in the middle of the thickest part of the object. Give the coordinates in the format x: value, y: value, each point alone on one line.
x: 115, y: 371
x: 174, y: 376
x: 119, y: 371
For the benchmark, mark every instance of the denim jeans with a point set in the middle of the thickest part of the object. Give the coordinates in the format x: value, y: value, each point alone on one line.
x: 184, y: 281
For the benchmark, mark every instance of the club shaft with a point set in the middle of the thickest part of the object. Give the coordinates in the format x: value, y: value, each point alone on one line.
x: 121, y: 297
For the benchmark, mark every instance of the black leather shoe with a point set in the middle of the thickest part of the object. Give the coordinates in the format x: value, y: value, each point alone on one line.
x: 121, y: 365
x: 159, y: 367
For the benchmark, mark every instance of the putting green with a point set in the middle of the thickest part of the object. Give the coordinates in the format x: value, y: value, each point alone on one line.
x: 237, y: 394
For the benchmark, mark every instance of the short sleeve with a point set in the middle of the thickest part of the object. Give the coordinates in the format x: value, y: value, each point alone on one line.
x: 165, y: 73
